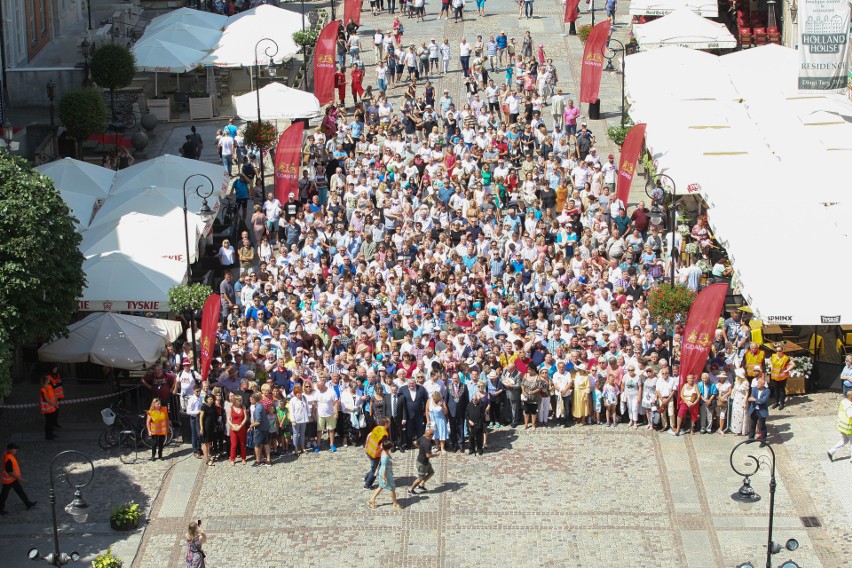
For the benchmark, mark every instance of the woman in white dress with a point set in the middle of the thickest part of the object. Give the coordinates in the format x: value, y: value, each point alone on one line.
x: 739, y: 406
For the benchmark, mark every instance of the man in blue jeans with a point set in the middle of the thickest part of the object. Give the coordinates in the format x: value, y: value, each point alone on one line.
x: 193, y: 409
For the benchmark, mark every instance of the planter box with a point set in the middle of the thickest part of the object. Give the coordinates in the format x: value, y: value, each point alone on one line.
x: 123, y: 526
x: 200, y: 108
x: 161, y: 108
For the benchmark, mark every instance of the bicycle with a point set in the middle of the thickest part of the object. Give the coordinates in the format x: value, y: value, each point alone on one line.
x: 126, y: 429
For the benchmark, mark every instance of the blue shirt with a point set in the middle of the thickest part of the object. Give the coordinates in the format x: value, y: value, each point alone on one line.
x: 259, y: 415
x: 846, y: 375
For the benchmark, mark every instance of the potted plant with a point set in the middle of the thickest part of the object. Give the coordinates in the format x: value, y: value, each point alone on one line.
x: 802, y: 366
x: 107, y: 560
x: 200, y: 105
x: 262, y: 135
x: 583, y: 33
x: 618, y: 133
x: 670, y: 304
x: 186, y: 298
x: 125, y: 517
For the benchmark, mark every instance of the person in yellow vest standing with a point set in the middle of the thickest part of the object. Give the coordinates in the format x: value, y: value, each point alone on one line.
x: 56, y: 383
x: 753, y: 361
x: 780, y: 367
x: 157, y: 422
x: 373, y: 449
x: 10, y: 476
x: 844, y: 426
x: 49, y: 405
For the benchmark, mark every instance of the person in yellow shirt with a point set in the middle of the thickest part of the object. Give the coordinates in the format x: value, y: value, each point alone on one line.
x: 373, y: 449
x: 780, y: 367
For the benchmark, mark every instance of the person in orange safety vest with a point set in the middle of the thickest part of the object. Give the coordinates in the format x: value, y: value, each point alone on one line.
x: 10, y: 477
x: 49, y: 405
x: 56, y: 383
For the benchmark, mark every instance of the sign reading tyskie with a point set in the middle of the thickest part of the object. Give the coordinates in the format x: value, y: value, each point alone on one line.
x: 823, y: 44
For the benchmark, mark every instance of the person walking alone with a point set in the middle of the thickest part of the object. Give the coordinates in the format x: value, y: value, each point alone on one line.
x: 844, y: 426
x: 10, y: 477
x: 425, y: 471
x: 195, y: 539
x: 386, y: 479
x: 374, y: 448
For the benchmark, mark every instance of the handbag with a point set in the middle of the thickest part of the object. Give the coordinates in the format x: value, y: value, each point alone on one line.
x: 250, y: 439
x: 362, y: 420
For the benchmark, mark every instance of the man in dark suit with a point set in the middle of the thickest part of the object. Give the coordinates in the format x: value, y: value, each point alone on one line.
x: 414, y: 396
x: 397, y: 410
x: 758, y: 409
x: 457, y: 400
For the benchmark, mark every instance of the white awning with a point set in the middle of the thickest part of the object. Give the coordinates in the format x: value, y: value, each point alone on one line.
x: 277, y: 102
x: 684, y: 28
x: 706, y: 8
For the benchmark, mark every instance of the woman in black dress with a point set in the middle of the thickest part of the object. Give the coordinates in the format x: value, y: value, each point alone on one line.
x: 207, y: 423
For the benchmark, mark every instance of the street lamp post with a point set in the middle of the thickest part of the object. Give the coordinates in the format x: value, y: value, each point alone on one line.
x: 205, y: 212
x: 657, y: 195
x: 270, y: 51
x: 78, y: 509
x: 746, y: 494
x: 609, y: 67
x: 89, y: 10
x: 86, y: 50
x: 51, y: 96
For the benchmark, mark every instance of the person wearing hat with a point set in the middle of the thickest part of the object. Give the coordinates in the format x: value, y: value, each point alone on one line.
x: 610, y: 170
x: 724, y: 389
x: 186, y: 381
x: 739, y: 403
x: 10, y: 476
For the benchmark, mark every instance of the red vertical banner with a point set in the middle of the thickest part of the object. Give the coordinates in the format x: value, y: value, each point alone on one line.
x: 701, y: 325
x: 572, y: 11
x: 593, y: 56
x: 209, y: 319
x: 630, y: 151
x: 351, y: 11
x: 288, y: 154
x: 324, y: 67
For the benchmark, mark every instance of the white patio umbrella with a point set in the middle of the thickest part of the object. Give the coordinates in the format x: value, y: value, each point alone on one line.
x: 113, y: 340
x: 277, y: 102
x: 160, y: 56
x: 189, y: 16
x: 116, y: 281
x: 142, y: 236
x: 171, y: 171
x: 81, y: 184
x: 187, y: 35
x: 237, y: 46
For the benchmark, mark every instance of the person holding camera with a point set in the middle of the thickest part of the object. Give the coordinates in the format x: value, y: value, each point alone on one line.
x: 195, y: 538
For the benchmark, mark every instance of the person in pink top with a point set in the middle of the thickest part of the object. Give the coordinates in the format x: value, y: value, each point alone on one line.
x: 569, y: 118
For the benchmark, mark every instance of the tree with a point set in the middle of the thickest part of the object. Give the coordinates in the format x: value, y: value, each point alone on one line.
x: 83, y: 113
x: 41, y: 267
x: 113, y: 66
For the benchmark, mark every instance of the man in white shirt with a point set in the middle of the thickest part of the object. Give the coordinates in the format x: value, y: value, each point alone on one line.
x: 193, y: 409
x: 666, y: 396
x: 610, y: 172
x: 226, y: 144
x: 186, y: 381
x: 328, y: 406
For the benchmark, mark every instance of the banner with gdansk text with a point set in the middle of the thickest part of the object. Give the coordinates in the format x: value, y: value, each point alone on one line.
x: 288, y: 154
x: 701, y: 323
x: 324, y: 66
x: 630, y: 151
x: 592, y: 68
x: 823, y: 45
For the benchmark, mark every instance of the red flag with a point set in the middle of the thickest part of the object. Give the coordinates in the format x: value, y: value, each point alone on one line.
x: 209, y: 319
x: 593, y: 56
x: 700, y: 326
x: 351, y: 11
x: 627, y: 163
x: 324, y: 63
x: 572, y: 11
x: 288, y: 154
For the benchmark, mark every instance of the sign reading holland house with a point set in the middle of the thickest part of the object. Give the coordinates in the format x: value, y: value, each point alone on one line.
x: 823, y: 44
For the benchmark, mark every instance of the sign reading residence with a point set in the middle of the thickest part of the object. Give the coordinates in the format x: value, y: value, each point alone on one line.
x: 823, y: 44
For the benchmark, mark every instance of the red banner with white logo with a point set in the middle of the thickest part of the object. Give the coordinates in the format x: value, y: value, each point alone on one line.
x: 701, y: 325
x: 352, y: 11
x: 288, y: 154
x: 209, y: 319
x: 630, y: 151
x: 324, y: 67
x: 572, y: 11
x: 593, y: 56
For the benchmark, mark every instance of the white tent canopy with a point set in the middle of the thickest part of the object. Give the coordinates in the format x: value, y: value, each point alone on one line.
x: 156, y: 201
x: 143, y: 236
x: 735, y: 150
x: 237, y: 46
x: 277, y: 102
x: 684, y: 28
x: 117, y: 282
x: 706, y: 8
x: 170, y: 171
x: 83, y: 186
x: 113, y: 340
